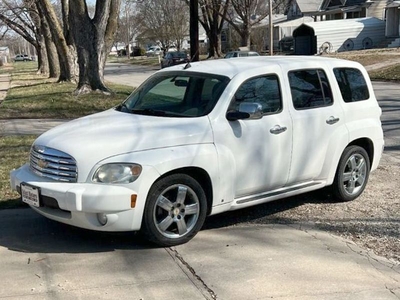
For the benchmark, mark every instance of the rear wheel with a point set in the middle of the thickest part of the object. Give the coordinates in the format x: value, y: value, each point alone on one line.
x: 352, y: 174
x: 175, y: 210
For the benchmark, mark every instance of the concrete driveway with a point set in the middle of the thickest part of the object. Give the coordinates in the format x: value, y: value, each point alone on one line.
x: 42, y: 259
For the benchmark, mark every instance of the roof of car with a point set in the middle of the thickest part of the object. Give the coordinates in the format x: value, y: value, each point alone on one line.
x: 240, y: 51
x: 230, y: 68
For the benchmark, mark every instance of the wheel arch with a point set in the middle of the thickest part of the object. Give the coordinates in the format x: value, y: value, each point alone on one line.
x: 367, y: 145
x: 201, y: 176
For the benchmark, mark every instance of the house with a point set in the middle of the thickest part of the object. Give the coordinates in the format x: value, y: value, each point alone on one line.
x: 4, y: 55
x: 393, y: 24
x: 324, y: 10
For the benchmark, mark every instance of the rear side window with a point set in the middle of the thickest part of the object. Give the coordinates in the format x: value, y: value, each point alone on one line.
x: 352, y: 84
x: 310, y: 88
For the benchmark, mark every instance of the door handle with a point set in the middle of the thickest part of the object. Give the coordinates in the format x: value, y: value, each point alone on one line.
x: 277, y: 129
x: 332, y: 120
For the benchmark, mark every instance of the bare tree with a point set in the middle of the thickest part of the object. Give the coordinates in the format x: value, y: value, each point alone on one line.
x: 128, y: 24
x: 245, y: 15
x: 166, y: 21
x: 248, y: 13
x: 93, y: 38
x: 65, y: 50
x: 212, y: 17
x: 51, y: 50
x: 178, y: 21
x: 21, y: 17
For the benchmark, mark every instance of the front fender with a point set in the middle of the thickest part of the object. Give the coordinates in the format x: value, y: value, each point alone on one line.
x: 158, y: 162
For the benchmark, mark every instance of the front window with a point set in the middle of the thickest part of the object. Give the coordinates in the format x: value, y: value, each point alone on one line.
x: 264, y: 90
x: 176, y: 94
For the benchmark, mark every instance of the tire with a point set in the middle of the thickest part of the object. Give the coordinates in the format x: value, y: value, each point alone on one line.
x: 166, y: 221
x: 352, y: 174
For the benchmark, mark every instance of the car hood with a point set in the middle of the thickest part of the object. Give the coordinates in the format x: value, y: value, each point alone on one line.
x: 97, y: 137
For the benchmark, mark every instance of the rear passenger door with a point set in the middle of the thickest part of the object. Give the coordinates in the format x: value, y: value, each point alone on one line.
x: 317, y: 122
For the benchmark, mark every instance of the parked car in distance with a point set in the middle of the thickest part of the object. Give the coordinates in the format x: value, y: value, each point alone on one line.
x: 22, y: 57
x: 232, y: 54
x: 137, y: 51
x: 174, y: 58
x: 205, y: 138
x: 286, y: 45
x: 154, y: 50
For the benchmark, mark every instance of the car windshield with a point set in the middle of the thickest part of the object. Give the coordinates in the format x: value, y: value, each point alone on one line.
x: 176, y: 94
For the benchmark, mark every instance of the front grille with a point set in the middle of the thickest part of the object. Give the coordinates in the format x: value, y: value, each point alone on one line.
x: 53, y: 164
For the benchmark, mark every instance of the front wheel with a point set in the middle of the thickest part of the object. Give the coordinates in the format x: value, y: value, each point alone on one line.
x: 352, y: 174
x: 175, y: 210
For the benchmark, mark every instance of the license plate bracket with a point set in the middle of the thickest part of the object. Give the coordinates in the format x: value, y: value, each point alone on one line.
x: 30, y: 194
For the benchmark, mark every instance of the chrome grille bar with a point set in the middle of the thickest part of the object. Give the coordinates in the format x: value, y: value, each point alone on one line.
x: 53, y: 164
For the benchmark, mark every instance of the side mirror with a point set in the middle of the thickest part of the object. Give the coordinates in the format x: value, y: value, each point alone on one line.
x: 249, y: 110
x: 181, y: 82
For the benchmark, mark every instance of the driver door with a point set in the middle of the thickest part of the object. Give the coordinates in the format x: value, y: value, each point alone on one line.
x: 261, y: 148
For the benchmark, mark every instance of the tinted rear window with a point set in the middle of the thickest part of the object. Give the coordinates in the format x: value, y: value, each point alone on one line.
x: 352, y: 84
x: 310, y: 88
x: 179, y: 54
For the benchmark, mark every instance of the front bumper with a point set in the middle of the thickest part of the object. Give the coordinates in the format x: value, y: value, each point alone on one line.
x: 80, y: 204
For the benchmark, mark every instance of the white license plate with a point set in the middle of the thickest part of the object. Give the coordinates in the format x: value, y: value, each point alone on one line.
x: 30, y: 194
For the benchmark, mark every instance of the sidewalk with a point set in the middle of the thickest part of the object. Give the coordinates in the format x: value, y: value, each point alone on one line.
x: 28, y: 126
x: 4, y: 85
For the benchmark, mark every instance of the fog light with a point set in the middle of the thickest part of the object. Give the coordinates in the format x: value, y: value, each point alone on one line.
x: 102, y: 218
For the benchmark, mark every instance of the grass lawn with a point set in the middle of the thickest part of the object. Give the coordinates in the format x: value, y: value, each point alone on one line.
x: 14, y: 152
x: 35, y: 96
x: 391, y: 73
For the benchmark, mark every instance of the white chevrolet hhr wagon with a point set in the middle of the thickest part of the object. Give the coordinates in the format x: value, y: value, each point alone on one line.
x: 208, y: 137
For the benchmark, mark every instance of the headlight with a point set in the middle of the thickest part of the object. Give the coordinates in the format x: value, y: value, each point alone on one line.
x: 117, y: 173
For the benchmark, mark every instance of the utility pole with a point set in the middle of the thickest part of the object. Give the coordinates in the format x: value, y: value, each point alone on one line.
x: 128, y: 35
x: 194, y: 30
x: 271, y: 30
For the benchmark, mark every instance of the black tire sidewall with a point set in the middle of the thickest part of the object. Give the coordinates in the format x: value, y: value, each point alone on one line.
x: 338, y: 189
x: 148, y: 225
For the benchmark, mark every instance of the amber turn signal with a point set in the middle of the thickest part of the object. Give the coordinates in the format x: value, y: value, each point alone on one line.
x: 133, y: 201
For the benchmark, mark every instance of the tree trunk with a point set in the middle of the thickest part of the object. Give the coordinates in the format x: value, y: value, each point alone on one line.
x: 245, y: 36
x: 65, y: 56
x: 215, y: 41
x: 212, y: 20
x: 93, y: 39
x: 43, y: 64
x: 51, y: 57
x: 40, y: 47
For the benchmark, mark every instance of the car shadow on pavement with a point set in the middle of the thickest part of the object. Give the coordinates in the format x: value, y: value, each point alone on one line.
x: 24, y: 230
x: 267, y: 211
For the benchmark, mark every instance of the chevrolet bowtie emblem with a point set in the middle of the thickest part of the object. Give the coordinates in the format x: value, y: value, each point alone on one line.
x: 42, y: 163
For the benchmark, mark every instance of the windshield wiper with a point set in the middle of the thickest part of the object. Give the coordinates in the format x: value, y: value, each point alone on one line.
x: 123, y: 105
x: 149, y: 112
